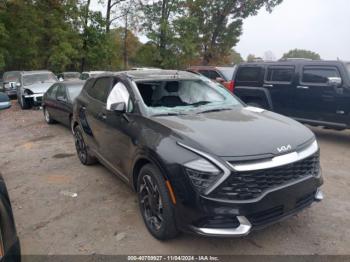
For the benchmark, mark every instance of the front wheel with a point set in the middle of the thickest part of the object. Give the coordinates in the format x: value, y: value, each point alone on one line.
x: 155, y: 204
x: 23, y: 102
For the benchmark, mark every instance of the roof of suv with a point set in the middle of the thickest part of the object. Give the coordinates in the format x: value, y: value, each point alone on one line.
x: 296, y: 61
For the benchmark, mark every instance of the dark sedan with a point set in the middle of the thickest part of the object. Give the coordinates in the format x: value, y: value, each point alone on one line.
x: 58, y: 102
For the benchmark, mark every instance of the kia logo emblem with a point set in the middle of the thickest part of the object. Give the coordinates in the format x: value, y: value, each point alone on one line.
x: 284, y: 148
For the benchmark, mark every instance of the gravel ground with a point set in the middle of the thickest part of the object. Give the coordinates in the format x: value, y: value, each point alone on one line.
x: 62, y: 207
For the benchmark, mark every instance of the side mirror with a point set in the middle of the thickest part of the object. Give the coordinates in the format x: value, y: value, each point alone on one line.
x: 119, y: 107
x: 220, y: 80
x: 5, y: 101
x: 334, y: 81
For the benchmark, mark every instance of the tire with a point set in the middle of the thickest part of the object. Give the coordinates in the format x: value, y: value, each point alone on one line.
x: 23, y: 103
x: 47, y: 116
x: 157, y: 213
x: 84, y: 155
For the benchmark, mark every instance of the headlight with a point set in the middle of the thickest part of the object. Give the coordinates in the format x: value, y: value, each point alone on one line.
x: 202, y: 173
x: 27, y: 92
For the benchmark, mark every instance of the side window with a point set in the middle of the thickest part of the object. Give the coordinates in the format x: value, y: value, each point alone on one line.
x: 280, y: 74
x: 248, y: 74
x: 101, y: 89
x: 213, y: 75
x: 120, y: 93
x: 61, y: 92
x: 318, y: 75
x: 51, y: 93
x: 205, y: 73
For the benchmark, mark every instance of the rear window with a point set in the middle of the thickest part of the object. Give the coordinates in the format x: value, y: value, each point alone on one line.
x: 280, y: 74
x: 74, y: 91
x: 227, y: 72
x: 319, y: 75
x: 248, y: 74
x: 101, y: 89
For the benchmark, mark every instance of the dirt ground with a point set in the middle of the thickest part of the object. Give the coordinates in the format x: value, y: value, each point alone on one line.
x: 63, y: 207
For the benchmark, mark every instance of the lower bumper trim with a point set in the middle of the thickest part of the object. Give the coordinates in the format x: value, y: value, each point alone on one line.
x: 243, y: 229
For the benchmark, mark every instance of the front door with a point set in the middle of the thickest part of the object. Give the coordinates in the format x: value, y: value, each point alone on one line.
x: 316, y: 99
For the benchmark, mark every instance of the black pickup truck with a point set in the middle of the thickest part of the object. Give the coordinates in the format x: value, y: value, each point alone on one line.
x: 312, y: 92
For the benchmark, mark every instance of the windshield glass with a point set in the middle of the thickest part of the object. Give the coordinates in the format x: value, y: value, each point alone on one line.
x: 74, y: 91
x: 227, y: 72
x: 39, y: 78
x: 71, y: 75
x: 182, y: 96
x: 11, y: 77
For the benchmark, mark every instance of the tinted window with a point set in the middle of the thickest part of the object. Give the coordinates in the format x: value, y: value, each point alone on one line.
x: 248, y: 74
x: 227, y: 72
x: 319, y: 75
x: 52, y: 91
x: 280, y: 74
x: 101, y: 89
x: 213, y: 75
x: 74, y: 91
x: 84, y: 76
x: 61, y: 92
x: 205, y: 73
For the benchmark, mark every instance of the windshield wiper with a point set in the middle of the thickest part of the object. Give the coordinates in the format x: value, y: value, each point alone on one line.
x: 214, y: 110
x: 169, y: 114
x: 201, y: 103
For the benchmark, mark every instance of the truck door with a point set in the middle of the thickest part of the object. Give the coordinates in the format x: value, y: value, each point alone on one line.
x: 316, y: 97
x: 279, y: 80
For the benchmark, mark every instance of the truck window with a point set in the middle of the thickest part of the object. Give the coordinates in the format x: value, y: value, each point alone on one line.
x: 248, y: 74
x: 280, y: 74
x: 318, y: 75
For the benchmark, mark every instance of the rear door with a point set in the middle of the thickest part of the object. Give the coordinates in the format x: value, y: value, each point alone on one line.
x: 279, y: 80
x: 316, y: 99
x: 62, y: 105
x: 95, y: 111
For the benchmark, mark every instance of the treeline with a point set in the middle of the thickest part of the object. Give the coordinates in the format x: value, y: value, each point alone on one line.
x: 63, y: 35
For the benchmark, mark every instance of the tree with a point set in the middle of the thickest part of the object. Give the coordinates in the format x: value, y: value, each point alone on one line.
x: 251, y: 58
x: 301, y: 53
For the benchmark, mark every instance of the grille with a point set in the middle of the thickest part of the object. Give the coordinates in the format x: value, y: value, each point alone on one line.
x: 252, y: 184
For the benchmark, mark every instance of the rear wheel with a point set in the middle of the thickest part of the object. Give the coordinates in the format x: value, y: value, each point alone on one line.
x: 84, y: 155
x: 155, y: 205
x: 47, y: 116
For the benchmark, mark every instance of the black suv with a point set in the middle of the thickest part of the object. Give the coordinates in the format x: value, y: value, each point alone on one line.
x: 312, y: 92
x: 199, y: 160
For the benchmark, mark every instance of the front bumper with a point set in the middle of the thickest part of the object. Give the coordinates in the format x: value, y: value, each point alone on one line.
x: 35, y: 98
x: 220, y: 218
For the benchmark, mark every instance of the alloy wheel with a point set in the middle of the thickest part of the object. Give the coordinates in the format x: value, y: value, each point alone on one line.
x: 151, y: 203
x: 80, y: 146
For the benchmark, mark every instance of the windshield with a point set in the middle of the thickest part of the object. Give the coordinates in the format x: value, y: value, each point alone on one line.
x: 182, y: 96
x: 11, y: 77
x: 39, y: 78
x: 71, y: 75
x: 74, y: 91
x: 227, y: 72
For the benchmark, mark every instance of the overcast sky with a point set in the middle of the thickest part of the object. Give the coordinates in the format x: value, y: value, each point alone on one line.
x: 322, y: 26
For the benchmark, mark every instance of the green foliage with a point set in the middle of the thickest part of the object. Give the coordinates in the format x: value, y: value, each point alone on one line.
x: 301, y: 53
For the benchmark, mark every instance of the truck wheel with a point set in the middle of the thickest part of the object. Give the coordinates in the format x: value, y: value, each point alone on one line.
x: 156, y: 207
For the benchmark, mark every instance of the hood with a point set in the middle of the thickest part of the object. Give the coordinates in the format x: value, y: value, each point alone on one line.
x: 239, y: 132
x: 39, y: 88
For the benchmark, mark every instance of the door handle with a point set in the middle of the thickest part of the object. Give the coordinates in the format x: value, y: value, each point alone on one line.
x: 267, y: 85
x: 102, y: 116
x: 303, y: 87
